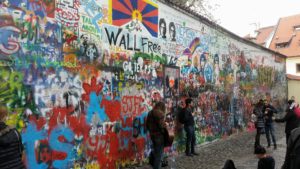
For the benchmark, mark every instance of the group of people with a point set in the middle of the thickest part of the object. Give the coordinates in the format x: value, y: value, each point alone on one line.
x: 159, y: 134
x: 264, y: 112
x: 263, y: 116
x: 10, y: 138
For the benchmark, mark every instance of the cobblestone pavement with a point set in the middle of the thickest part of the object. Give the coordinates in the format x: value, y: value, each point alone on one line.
x: 239, y: 148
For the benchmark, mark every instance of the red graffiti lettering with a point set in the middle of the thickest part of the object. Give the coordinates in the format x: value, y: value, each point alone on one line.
x: 133, y: 105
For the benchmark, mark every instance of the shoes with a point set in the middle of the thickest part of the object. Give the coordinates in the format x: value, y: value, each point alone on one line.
x: 164, y: 163
x: 189, y: 154
x: 195, y: 154
x: 275, y: 147
x: 268, y: 146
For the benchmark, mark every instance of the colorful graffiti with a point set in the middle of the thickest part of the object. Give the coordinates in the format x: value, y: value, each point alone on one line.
x: 80, y: 76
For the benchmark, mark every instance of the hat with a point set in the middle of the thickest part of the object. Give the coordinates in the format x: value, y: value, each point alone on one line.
x: 259, y: 150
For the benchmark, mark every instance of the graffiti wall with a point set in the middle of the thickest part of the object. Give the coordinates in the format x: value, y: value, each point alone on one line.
x: 80, y: 76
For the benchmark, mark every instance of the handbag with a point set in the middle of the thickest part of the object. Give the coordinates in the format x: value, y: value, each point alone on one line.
x: 168, y: 139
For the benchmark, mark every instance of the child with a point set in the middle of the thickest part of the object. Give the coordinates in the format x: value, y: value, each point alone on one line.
x: 265, y: 161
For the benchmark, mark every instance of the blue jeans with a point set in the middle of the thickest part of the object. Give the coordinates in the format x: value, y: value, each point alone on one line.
x: 158, y: 149
x: 269, y: 128
x: 190, y: 139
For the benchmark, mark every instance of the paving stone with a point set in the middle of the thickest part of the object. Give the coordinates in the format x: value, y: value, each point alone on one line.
x: 238, y: 147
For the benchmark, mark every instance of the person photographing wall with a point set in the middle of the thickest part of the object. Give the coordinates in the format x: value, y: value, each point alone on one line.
x: 189, y: 127
x: 269, y: 111
x: 157, y: 128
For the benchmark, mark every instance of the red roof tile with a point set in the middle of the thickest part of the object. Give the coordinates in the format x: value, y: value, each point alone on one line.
x: 292, y: 77
x: 263, y: 34
x: 286, y: 33
x: 283, y: 40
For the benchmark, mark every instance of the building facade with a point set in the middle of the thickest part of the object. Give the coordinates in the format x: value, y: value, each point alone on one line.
x: 284, y: 38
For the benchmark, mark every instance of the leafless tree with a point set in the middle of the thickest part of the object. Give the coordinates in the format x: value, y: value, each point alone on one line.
x: 204, y: 8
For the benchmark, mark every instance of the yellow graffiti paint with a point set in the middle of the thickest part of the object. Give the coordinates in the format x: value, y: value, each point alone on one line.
x: 92, y: 166
x: 70, y: 60
x: 120, y: 86
x: 14, y: 120
x: 15, y: 80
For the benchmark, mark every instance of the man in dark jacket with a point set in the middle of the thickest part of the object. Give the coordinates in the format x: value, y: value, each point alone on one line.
x: 291, y: 119
x: 10, y: 145
x: 156, y: 126
x: 189, y: 127
x: 292, y: 156
x: 268, y: 111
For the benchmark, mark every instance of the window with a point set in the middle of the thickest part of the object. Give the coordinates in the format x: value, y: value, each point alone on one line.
x: 298, y: 67
x: 282, y: 45
x: 297, y: 28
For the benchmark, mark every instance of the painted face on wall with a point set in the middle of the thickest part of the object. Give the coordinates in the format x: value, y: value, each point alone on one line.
x: 202, y: 60
x: 156, y: 96
x: 9, y: 36
x: 172, y: 31
x: 84, y: 39
x: 106, y: 57
x: 216, y: 59
x: 162, y: 28
x: 208, y: 73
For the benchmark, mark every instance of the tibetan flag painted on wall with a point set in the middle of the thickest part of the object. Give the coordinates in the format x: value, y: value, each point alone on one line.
x: 142, y: 11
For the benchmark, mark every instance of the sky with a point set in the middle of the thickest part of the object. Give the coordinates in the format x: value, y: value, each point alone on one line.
x: 244, y: 16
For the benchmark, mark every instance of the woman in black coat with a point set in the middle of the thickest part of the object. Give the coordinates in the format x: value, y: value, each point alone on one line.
x: 260, y: 122
x: 10, y: 145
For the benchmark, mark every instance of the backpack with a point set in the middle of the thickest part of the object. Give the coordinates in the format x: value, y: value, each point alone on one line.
x: 181, y: 115
x: 149, y: 120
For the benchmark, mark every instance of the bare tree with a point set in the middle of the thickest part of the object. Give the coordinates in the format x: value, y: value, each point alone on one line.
x: 204, y: 8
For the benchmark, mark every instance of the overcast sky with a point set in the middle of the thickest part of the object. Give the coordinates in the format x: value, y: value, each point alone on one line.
x: 239, y: 16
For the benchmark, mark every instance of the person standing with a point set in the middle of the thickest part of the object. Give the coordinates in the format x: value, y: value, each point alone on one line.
x: 11, y: 148
x: 189, y: 127
x: 260, y: 122
x: 292, y: 156
x: 269, y: 111
x: 291, y: 119
x: 293, y: 98
x: 265, y: 161
x: 156, y: 126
